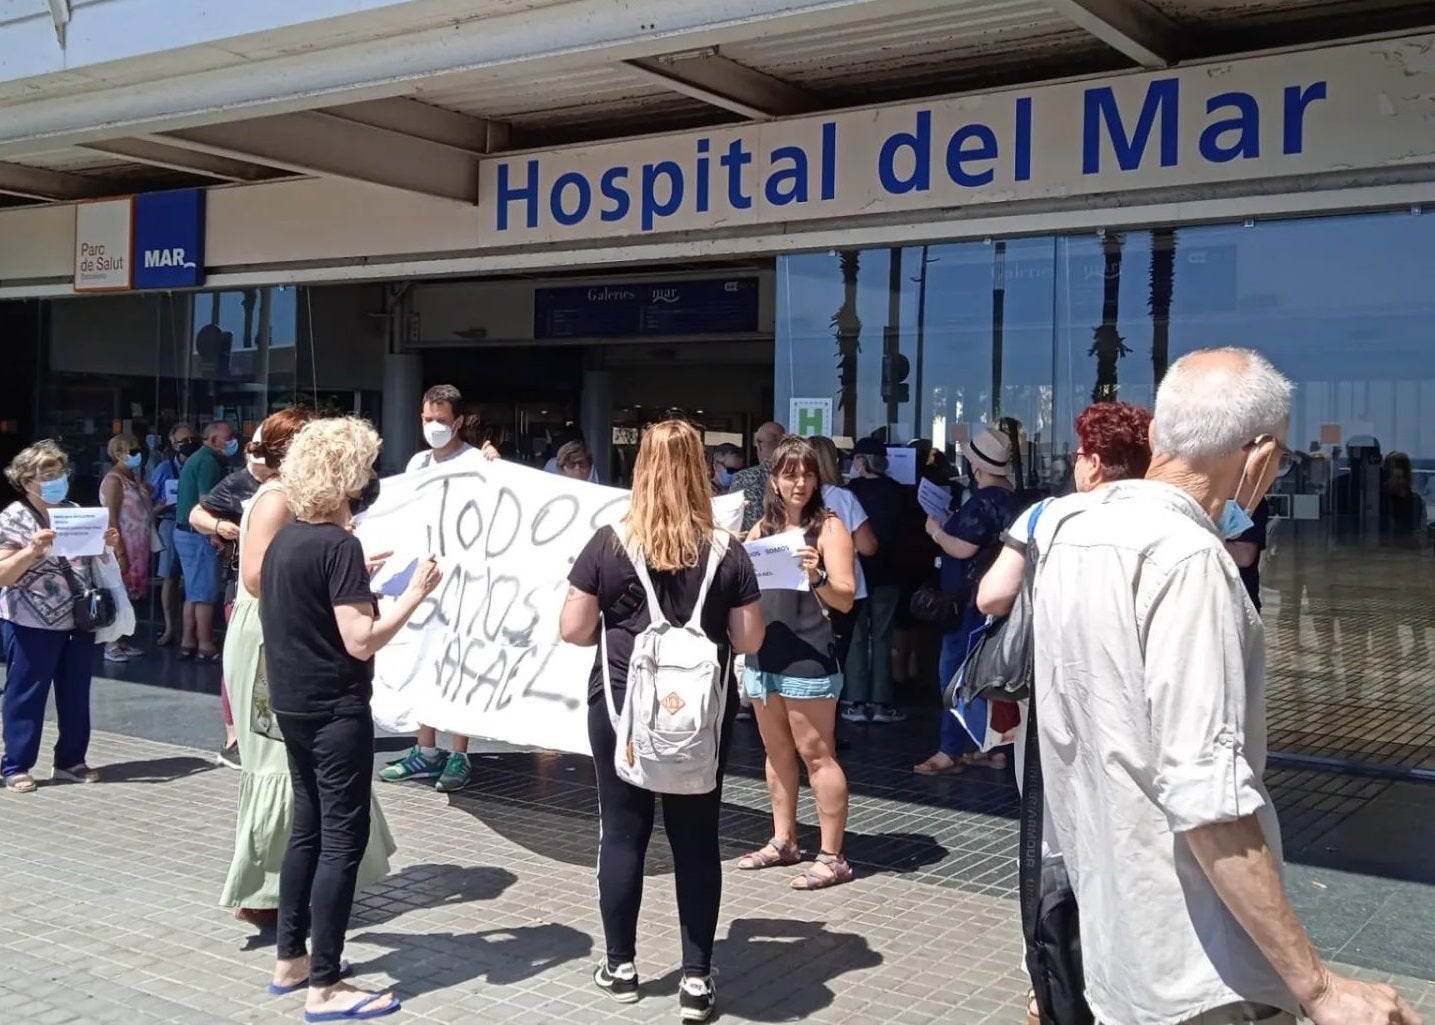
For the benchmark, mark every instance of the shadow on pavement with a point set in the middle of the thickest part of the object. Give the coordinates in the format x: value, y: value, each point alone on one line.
x: 778, y: 970
x: 502, y: 957
x: 558, y: 819
x: 420, y: 887
x: 156, y: 770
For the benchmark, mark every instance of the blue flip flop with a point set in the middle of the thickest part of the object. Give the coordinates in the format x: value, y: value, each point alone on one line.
x: 345, y: 971
x: 355, y: 1013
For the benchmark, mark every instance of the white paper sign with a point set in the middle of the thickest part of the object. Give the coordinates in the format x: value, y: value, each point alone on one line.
x: 902, y: 464
x: 171, y: 491
x: 934, y: 499
x: 79, y: 533
x: 482, y: 656
x: 774, y: 560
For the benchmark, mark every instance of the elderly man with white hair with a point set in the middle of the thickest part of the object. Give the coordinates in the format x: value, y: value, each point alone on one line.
x: 1150, y: 691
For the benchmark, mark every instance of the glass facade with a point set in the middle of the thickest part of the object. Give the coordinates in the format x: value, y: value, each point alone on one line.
x: 140, y: 364
x: 927, y: 342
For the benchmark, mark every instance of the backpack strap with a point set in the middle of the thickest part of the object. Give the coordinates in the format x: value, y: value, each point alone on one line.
x: 640, y: 566
x: 716, y: 551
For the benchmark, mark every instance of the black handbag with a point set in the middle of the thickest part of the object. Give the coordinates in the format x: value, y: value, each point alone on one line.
x: 999, y: 664
x: 1050, y: 918
x: 945, y: 609
x: 93, y: 607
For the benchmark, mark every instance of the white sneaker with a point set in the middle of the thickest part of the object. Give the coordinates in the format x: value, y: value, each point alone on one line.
x: 114, y: 654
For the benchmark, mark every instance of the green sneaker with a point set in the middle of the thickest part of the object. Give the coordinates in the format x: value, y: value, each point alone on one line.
x: 455, y: 775
x: 413, y: 766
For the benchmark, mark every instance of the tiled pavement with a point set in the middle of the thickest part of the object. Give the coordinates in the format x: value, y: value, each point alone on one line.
x: 107, y: 901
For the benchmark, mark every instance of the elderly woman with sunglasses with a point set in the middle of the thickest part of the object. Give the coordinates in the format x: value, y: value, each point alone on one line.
x: 37, y: 621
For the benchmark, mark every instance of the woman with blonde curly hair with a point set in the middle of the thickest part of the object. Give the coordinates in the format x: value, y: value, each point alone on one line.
x: 322, y: 627
x: 266, y: 801
x: 691, y: 572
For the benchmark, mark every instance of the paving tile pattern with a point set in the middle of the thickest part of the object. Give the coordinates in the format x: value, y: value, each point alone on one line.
x: 107, y: 904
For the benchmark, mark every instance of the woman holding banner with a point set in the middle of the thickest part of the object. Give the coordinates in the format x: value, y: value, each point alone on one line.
x: 266, y: 798
x: 671, y: 519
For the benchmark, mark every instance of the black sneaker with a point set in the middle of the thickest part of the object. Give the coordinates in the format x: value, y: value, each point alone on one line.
x: 697, y: 998
x: 230, y: 756
x: 620, y: 983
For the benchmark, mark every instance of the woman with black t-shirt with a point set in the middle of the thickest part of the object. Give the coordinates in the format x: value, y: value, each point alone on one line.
x: 671, y: 519
x: 322, y: 627
x: 796, y: 678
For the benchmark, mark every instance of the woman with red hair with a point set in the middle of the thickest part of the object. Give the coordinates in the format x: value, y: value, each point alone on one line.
x: 1113, y: 443
x: 266, y: 796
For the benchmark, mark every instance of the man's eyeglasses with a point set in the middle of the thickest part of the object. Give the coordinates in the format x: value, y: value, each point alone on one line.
x: 1287, y: 457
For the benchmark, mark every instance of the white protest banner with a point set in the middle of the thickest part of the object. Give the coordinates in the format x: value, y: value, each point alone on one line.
x: 902, y: 464
x: 482, y: 656
x: 727, y: 512
x: 774, y: 560
x: 79, y: 532
x: 934, y: 499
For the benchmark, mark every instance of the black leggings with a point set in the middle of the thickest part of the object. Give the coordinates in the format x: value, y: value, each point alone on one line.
x: 625, y: 815
x: 331, y: 766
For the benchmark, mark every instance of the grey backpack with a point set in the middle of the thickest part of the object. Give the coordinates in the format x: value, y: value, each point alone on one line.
x: 670, y: 725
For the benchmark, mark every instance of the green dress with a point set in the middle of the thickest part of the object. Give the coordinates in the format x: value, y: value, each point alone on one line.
x: 266, y: 797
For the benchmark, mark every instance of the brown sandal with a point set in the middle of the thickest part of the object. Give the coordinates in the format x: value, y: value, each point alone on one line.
x: 838, y: 871
x: 933, y: 766
x: 772, y: 854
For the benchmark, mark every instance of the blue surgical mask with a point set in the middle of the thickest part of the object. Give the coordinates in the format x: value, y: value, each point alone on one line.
x: 231, y: 448
x: 724, y: 476
x: 53, y: 492
x: 1234, y: 520
x: 134, y: 461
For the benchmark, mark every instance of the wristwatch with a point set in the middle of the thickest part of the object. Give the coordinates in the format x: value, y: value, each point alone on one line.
x: 821, y: 579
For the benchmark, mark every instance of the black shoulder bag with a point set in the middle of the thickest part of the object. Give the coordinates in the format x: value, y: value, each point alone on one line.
x: 93, y: 607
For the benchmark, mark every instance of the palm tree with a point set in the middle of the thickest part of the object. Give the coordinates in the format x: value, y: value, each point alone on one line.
x: 1108, y: 346
x: 849, y: 330
x: 1163, y: 287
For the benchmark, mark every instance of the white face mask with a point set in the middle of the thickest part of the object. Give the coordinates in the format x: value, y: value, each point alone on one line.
x: 436, y: 434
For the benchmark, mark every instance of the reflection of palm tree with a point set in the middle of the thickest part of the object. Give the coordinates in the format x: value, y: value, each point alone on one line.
x: 849, y: 330
x: 1108, y: 346
x: 1163, y: 286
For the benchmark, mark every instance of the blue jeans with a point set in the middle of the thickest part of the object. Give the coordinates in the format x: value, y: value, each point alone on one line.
x: 869, y: 662
x: 954, y: 739
x: 36, y: 659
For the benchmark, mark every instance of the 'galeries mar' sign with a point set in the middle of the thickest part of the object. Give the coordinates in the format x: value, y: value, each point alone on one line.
x: 1344, y: 109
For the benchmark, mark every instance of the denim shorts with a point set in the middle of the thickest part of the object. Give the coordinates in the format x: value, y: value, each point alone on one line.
x: 168, y: 566
x: 200, y: 562
x: 757, y: 685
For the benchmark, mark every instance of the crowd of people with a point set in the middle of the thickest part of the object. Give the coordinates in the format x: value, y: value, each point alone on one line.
x: 1148, y: 671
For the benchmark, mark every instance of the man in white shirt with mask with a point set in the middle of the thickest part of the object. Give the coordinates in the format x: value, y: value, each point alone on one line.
x: 442, y: 426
